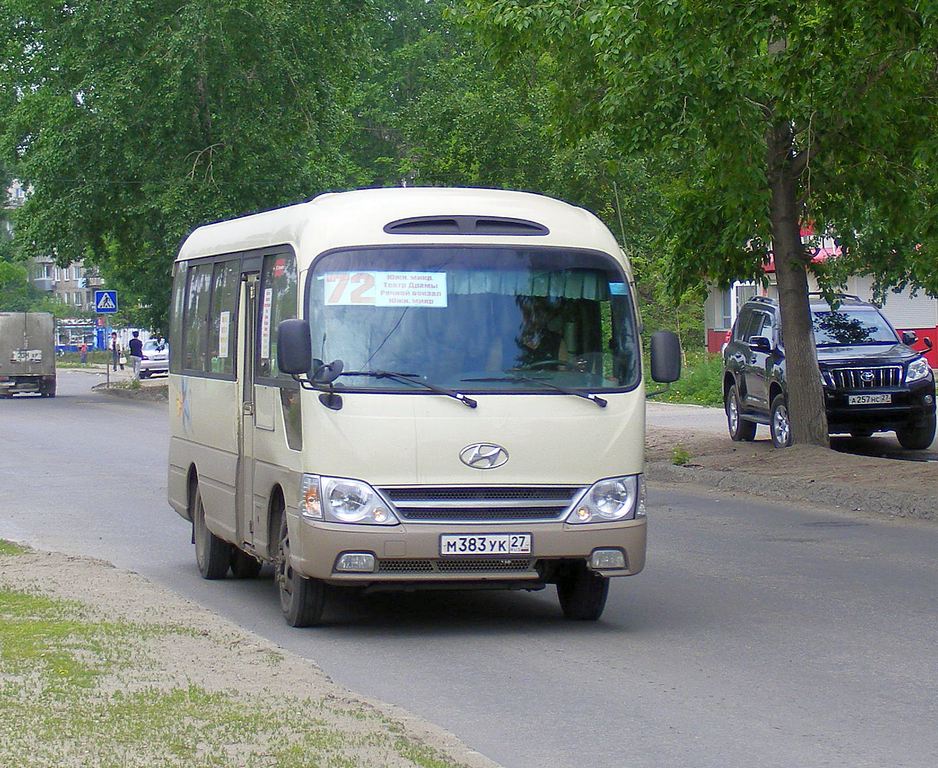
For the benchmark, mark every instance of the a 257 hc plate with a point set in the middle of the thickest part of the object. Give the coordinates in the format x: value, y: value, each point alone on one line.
x: 452, y: 545
x: 868, y: 399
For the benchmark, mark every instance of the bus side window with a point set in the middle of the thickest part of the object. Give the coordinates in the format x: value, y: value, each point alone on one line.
x: 222, y: 343
x: 195, y: 325
x: 175, y: 318
x: 278, y: 297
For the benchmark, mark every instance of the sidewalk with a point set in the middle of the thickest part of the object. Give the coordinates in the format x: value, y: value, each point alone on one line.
x: 812, y: 474
x: 103, y: 370
x: 152, y: 388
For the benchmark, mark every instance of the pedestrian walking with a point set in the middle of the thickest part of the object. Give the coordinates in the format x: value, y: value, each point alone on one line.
x: 136, y: 353
x: 117, y: 352
x: 83, y: 353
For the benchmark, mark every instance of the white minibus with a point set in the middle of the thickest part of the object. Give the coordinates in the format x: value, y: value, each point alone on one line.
x: 411, y: 388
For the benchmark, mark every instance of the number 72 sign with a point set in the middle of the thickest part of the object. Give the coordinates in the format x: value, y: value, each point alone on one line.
x: 384, y: 289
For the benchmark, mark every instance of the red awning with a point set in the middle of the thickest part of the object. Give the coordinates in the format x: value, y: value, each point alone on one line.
x: 822, y: 255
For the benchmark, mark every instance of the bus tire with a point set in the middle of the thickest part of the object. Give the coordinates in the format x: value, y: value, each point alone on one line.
x: 582, y: 594
x: 243, y: 565
x: 212, y: 555
x: 301, y: 599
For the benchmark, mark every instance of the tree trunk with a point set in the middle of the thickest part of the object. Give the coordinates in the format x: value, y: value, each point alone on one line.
x: 805, y: 392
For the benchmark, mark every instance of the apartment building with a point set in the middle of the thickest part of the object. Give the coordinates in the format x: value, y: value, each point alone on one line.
x: 73, y: 285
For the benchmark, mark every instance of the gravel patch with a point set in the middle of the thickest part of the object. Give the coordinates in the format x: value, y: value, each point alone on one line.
x: 805, y: 473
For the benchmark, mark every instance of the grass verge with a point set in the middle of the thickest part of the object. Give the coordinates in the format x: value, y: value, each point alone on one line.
x: 77, y: 689
x: 11, y: 548
x: 701, y: 382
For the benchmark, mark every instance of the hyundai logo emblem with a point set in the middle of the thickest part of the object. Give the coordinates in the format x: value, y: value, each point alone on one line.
x: 483, y: 456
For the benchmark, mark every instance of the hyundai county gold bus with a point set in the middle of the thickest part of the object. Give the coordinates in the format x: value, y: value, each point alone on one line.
x: 411, y: 388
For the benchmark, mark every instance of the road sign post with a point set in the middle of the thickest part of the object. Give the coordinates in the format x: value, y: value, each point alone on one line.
x: 105, y: 303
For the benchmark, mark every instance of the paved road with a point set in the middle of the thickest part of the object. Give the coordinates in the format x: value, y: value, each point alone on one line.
x: 714, y: 420
x: 758, y: 635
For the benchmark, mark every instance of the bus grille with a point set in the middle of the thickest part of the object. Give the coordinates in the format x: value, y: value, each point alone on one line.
x: 867, y: 378
x: 461, y: 565
x: 482, y: 504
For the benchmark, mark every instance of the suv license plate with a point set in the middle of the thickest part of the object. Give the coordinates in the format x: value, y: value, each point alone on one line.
x: 485, y: 544
x: 868, y: 399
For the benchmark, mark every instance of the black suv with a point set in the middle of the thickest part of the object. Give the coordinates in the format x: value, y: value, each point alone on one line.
x: 872, y: 380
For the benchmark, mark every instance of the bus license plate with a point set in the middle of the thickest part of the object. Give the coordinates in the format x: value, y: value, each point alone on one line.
x: 868, y: 399
x: 485, y: 544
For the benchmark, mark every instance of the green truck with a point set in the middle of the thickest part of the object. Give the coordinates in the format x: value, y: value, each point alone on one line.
x: 27, y: 353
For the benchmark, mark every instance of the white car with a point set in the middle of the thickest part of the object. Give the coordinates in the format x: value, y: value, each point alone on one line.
x: 155, y: 358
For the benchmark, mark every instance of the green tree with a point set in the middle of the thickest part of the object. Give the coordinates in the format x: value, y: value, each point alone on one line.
x: 135, y: 122
x: 16, y: 292
x: 432, y: 110
x: 435, y: 110
x: 772, y: 116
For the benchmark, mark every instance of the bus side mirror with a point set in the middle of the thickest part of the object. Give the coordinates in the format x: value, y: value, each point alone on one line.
x: 665, y: 357
x: 294, y: 343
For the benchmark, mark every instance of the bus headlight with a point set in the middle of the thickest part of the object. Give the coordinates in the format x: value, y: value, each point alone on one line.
x: 917, y: 370
x: 616, y: 498
x: 339, y: 500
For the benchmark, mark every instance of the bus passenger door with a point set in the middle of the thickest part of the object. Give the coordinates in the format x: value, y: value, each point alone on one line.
x: 249, y: 287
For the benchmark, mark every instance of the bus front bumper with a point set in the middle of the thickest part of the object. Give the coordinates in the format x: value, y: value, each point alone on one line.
x: 411, y: 553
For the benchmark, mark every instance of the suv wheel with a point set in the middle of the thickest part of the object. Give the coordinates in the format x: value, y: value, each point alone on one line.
x: 739, y: 429
x: 780, y: 423
x: 919, y: 437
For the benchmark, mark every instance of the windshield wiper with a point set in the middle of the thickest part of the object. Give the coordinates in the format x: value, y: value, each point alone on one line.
x: 601, y: 402
x: 413, y: 378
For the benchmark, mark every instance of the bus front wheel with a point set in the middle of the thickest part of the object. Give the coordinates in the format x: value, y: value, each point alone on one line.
x: 582, y: 594
x: 301, y: 599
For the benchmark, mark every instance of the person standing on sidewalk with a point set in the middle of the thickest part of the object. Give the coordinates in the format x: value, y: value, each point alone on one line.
x: 136, y: 353
x: 116, y: 352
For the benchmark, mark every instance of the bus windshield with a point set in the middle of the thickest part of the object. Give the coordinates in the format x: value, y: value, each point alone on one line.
x: 480, y: 319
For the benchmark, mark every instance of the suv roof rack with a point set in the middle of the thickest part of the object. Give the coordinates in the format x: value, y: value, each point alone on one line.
x: 843, y: 296
x: 764, y: 300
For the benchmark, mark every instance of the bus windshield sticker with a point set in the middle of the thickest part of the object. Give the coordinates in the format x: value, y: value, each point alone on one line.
x: 265, y: 323
x: 385, y: 289
x: 224, y: 324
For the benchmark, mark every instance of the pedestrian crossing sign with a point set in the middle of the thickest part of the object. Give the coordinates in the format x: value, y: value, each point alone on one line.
x: 105, y: 302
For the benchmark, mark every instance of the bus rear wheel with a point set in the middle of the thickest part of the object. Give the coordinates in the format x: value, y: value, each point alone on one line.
x: 212, y: 555
x: 301, y: 599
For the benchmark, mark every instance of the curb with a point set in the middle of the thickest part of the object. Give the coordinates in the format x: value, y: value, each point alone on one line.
x: 159, y: 394
x: 885, y: 503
